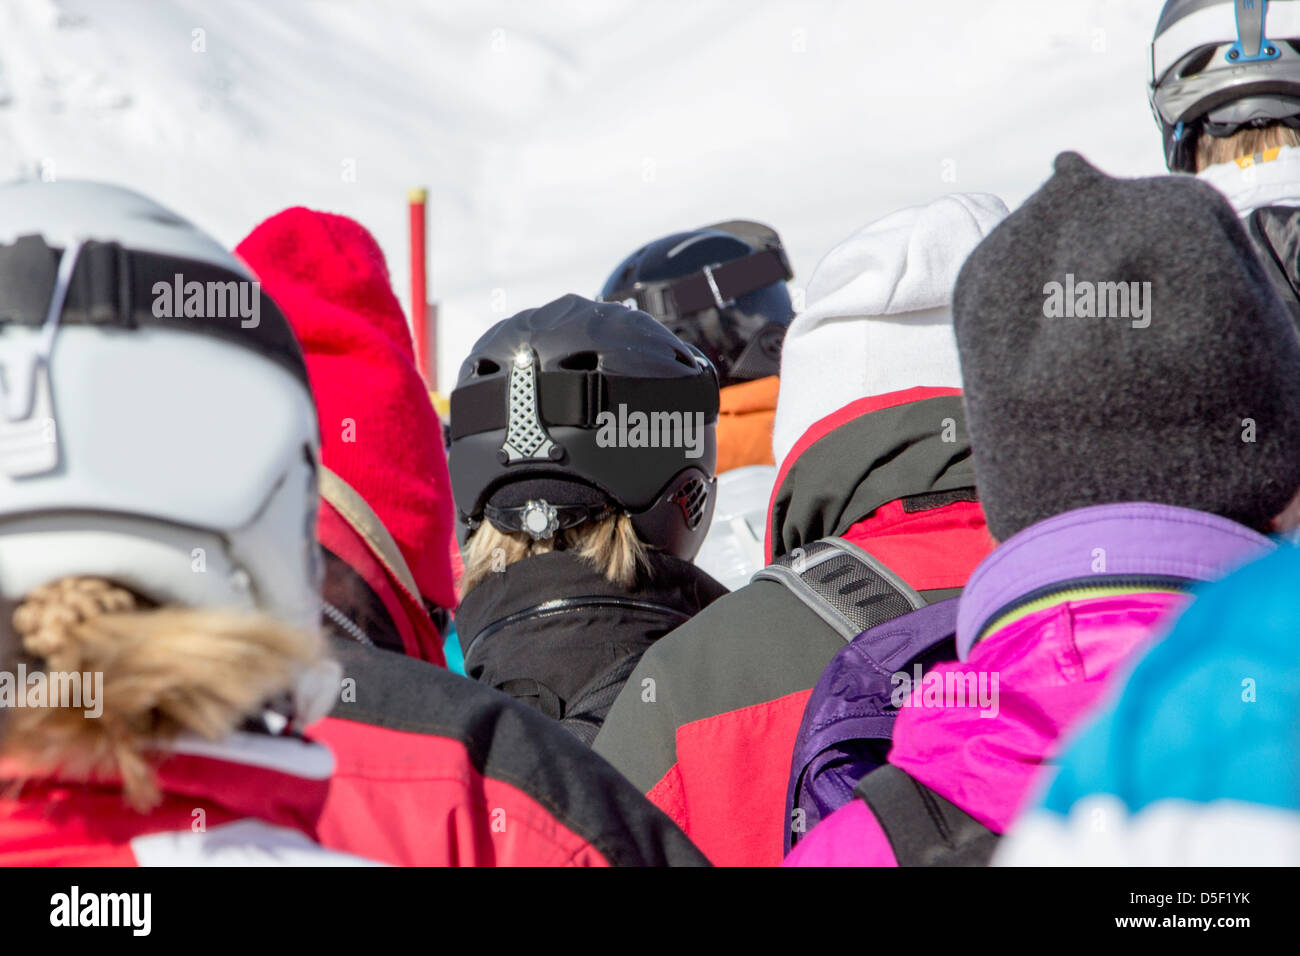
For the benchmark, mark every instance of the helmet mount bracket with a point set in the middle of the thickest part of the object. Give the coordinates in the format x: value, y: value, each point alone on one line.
x: 527, y: 439
x: 29, y: 440
x: 1251, y: 46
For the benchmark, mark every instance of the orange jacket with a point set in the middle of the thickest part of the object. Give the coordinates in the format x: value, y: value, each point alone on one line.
x: 745, y: 416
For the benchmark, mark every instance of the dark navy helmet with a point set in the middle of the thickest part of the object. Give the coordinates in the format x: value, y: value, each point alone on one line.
x: 721, y: 288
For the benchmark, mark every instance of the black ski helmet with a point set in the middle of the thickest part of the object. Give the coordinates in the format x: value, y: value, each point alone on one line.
x: 720, y: 288
x: 1219, y: 66
x: 576, y: 410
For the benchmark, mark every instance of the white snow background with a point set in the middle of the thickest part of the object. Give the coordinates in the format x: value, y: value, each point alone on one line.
x: 555, y: 136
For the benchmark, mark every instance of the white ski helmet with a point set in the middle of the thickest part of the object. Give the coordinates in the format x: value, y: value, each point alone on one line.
x: 1218, y: 66
x: 156, y: 424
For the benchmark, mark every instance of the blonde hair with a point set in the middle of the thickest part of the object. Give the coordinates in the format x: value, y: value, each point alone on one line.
x: 165, y: 671
x: 1213, y: 150
x: 610, y: 545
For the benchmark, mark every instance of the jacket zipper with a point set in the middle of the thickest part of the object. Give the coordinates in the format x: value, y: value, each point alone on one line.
x: 561, y: 605
x: 1080, y: 587
x: 346, y: 624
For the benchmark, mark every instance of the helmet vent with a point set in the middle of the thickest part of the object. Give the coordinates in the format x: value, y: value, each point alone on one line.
x: 485, y: 366
x: 1197, y: 62
x: 691, y: 498
x: 580, y: 362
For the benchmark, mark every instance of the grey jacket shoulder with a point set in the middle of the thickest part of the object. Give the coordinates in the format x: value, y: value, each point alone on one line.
x: 754, y: 645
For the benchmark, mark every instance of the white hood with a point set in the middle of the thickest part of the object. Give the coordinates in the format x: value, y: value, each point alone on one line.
x: 878, y: 315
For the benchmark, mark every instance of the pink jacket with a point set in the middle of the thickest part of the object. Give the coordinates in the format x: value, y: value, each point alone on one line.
x: 1045, y: 620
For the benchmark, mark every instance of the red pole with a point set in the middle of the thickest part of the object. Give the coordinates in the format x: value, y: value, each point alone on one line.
x: 431, y: 361
x: 419, y: 287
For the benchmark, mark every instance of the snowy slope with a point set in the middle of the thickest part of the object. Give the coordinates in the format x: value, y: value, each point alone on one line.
x: 556, y: 135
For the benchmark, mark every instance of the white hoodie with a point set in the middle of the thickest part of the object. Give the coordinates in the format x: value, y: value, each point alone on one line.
x: 877, y: 320
x: 878, y: 315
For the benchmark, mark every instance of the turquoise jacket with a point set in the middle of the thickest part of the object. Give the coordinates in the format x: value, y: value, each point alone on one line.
x: 1196, y: 759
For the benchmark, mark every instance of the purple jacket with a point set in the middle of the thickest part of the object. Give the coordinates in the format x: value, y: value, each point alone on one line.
x: 1042, y: 624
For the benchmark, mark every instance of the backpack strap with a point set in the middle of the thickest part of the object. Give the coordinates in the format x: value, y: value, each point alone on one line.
x: 923, y: 828
x: 584, y: 715
x: 354, y: 509
x: 843, y: 585
x: 535, y: 694
x: 848, y: 720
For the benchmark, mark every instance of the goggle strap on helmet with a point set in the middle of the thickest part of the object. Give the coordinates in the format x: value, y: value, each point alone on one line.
x: 578, y: 398
x: 112, y: 286
x: 713, y: 287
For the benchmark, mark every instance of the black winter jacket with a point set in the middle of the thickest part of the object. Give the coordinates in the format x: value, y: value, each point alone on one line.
x: 554, y: 633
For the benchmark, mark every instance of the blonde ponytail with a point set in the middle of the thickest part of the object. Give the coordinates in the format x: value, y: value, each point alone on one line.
x: 611, y: 546
x: 165, y: 671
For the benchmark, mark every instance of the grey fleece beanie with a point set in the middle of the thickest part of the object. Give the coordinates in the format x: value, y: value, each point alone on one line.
x: 1187, y: 394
